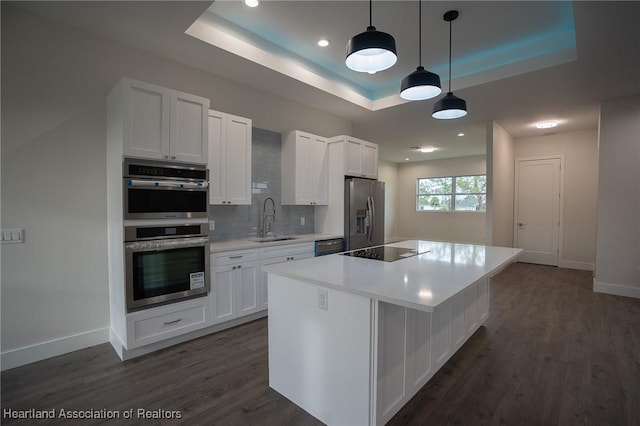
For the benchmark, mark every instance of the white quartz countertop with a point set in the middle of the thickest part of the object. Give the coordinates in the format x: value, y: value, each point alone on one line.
x: 251, y: 243
x: 420, y: 282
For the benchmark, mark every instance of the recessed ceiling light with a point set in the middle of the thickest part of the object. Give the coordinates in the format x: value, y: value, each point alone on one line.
x: 460, y: 134
x: 252, y: 3
x: 406, y: 159
x: 546, y: 124
x: 323, y: 42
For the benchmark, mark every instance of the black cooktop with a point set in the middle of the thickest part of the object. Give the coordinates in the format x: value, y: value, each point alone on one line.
x: 388, y: 254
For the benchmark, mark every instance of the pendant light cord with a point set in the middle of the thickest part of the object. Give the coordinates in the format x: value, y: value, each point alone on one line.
x: 420, y: 32
x: 450, y: 56
x: 370, y: 13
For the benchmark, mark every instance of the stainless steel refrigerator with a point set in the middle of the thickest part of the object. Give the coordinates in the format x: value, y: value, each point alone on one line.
x: 364, y: 213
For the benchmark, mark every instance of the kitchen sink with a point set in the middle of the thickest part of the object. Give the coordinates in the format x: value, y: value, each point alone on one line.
x: 272, y: 239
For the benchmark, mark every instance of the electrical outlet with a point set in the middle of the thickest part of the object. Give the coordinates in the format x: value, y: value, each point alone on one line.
x: 323, y: 299
x: 303, y: 221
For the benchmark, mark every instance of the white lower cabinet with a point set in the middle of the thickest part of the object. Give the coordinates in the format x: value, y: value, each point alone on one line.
x: 163, y: 322
x: 234, y: 285
x: 278, y: 254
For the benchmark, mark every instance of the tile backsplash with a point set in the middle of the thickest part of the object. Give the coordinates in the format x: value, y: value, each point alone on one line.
x: 237, y: 222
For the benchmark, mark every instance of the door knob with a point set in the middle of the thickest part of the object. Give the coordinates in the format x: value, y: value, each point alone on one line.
x: 520, y: 224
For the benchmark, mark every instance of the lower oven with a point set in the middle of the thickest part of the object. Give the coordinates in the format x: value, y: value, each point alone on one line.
x: 165, y: 264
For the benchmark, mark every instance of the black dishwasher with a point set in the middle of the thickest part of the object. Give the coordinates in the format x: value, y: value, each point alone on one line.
x: 330, y: 246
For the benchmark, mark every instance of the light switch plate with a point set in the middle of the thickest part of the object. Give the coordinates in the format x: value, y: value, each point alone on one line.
x: 11, y: 236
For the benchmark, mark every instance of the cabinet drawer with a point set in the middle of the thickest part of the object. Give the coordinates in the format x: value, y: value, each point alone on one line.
x: 155, y: 324
x: 237, y: 256
x: 288, y: 250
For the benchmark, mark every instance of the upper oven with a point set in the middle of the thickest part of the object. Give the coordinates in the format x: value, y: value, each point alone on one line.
x: 156, y: 190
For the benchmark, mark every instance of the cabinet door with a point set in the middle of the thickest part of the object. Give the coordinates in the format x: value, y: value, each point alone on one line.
x: 303, y: 173
x: 247, y: 288
x: 238, y: 160
x: 223, y: 291
x: 353, y: 157
x: 146, y: 120
x: 319, y: 168
x: 217, y: 153
x: 370, y: 160
x: 264, y: 281
x: 189, y: 140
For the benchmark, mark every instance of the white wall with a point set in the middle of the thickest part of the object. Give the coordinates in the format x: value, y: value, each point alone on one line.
x: 467, y: 227
x: 579, y: 150
x: 500, y: 184
x: 388, y: 173
x: 618, y: 235
x: 55, y: 80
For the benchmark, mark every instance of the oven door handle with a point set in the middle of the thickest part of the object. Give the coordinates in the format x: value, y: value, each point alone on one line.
x: 142, y: 183
x: 168, y: 244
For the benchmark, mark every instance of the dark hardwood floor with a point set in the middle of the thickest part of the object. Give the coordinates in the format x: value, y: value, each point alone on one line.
x: 552, y: 352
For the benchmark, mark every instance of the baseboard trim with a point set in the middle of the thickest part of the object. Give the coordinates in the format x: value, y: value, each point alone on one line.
x: 22, y: 356
x: 570, y: 264
x: 616, y: 289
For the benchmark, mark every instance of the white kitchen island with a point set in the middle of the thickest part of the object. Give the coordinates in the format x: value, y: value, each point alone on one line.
x: 351, y: 339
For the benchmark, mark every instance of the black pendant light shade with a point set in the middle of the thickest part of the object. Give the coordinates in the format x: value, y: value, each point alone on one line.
x: 371, y: 51
x: 450, y: 106
x: 420, y: 84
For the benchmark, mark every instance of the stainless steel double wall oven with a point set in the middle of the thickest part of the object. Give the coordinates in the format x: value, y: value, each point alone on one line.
x: 166, y: 234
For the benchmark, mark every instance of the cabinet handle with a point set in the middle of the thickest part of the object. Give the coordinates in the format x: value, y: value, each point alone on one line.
x: 166, y: 157
x: 173, y: 157
x: 172, y: 322
x: 239, y: 266
x: 238, y: 256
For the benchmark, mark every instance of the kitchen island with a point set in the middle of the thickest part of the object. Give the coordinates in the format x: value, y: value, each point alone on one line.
x: 352, y: 339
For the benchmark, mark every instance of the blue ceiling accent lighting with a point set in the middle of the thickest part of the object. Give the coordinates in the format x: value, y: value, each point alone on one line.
x: 420, y: 84
x: 450, y: 106
x: 371, y: 51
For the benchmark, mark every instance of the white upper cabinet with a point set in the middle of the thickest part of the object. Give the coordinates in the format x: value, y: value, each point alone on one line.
x: 159, y: 123
x: 189, y: 141
x: 304, y: 169
x: 229, y: 159
x: 361, y: 158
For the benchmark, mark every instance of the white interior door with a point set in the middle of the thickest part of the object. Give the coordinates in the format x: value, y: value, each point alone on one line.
x: 537, y: 210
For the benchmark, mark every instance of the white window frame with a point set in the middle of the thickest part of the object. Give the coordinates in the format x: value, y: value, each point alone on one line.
x: 452, y: 194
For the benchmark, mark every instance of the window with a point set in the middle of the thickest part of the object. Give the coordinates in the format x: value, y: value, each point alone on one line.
x: 461, y: 193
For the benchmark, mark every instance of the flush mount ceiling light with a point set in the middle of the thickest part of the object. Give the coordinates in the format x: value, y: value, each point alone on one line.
x: 450, y: 106
x: 546, y: 124
x: 420, y: 84
x: 252, y: 3
x: 323, y: 42
x: 371, y: 51
x: 425, y: 149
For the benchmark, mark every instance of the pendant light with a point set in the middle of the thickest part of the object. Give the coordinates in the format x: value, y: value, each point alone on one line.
x: 450, y: 106
x: 371, y: 51
x: 420, y: 84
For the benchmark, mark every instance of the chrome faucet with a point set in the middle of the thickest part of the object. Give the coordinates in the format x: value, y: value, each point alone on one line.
x: 266, y: 224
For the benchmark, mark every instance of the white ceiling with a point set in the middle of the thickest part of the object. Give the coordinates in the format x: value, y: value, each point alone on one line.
x: 513, y: 62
